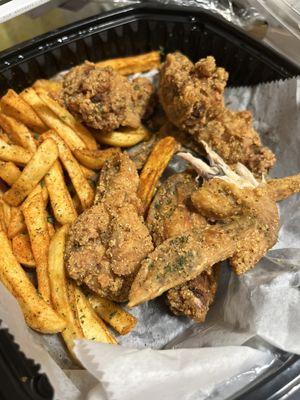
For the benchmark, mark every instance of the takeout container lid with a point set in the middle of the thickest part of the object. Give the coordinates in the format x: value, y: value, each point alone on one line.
x: 127, y: 31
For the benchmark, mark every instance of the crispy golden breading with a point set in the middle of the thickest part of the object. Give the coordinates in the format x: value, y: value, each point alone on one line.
x: 105, y: 100
x: 192, y: 97
x: 108, y: 241
x: 171, y: 214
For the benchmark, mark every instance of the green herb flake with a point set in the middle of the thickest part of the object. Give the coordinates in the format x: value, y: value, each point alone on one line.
x: 112, y: 314
x: 36, y: 136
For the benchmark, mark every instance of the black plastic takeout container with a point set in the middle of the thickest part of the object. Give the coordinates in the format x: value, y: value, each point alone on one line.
x: 133, y: 30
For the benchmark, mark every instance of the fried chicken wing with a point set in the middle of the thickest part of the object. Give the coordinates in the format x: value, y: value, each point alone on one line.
x: 105, y: 100
x: 192, y: 98
x: 172, y: 213
x: 108, y: 241
x: 246, y: 225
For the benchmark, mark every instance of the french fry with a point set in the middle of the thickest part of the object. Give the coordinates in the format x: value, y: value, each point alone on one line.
x: 59, y: 288
x: 19, y: 133
x: 5, y: 215
x: 89, y: 173
x: 9, y: 172
x: 131, y: 65
x: 38, y: 314
x: 37, y: 189
x: 14, y: 106
x: 94, y: 159
x: 32, y: 174
x: 17, y: 222
x: 113, y: 314
x: 126, y: 138
x: 21, y: 248
x: 155, y: 165
x: 14, y: 153
x: 52, y: 87
x: 60, y: 199
x: 36, y: 221
x: 80, y: 183
x: 92, y: 326
x: 52, y: 120
x: 65, y: 116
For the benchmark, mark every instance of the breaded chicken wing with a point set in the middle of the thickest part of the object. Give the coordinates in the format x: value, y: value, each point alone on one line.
x: 108, y: 241
x: 192, y: 98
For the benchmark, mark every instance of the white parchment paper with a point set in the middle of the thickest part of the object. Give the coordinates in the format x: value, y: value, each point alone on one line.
x: 251, y: 313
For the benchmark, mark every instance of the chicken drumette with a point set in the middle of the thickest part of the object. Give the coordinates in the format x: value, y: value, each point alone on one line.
x: 245, y: 226
x: 105, y: 100
x: 108, y: 241
x: 192, y: 98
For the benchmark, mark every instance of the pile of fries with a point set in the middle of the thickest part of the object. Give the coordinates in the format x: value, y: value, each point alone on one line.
x: 49, y: 163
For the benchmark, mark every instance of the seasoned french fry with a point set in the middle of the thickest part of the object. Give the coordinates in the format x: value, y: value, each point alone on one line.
x: 17, y: 222
x: 36, y: 221
x: 14, y: 106
x: 60, y: 199
x: 92, y: 326
x: 9, y: 172
x: 59, y: 288
x: 14, y: 153
x: 52, y: 120
x: 37, y: 189
x: 157, y: 162
x: 131, y: 65
x: 126, y: 138
x: 5, y: 137
x: 34, y: 171
x: 113, y: 314
x: 21, y: 248
x: 52, y: 87
x: 19, y: 133
x: 5, y: 214
x: 38, y: 314
x: 80, y: 183
x: 89, y: 173
x: 66, y: 117
x: 94, y: 159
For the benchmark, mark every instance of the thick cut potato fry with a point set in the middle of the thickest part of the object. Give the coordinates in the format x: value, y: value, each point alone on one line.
x: 34, y: 171
x: 131, y: 65
x: 40, y: 188
x: 17, y: 222
x: 38, y: 314
x: 113, y: 314
x: 14, y: 153
x: 51, y: 119
x: 94, y: 159
x: 157, y: 162
x: 59, y: 288
x: 52, y: 87
x: 18, y: 132
x: 5, y: 137
x: 13, y: 105
x: 21, y: 248
x: 126, y: 138
x: 80, y: 183
x: 5, y: 215
x: 65, y: 116
x: 60, y: 199
x: 36, y: 221
x: 89, y: 174
x: 92, y: 326
x: 9, y: 172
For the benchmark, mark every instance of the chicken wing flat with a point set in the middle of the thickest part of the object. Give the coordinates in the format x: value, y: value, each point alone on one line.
x: 192, y: 98
x: 171, y: 214
x: 108, y: 241
x: 105, y: 100
x: 245, y: 226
